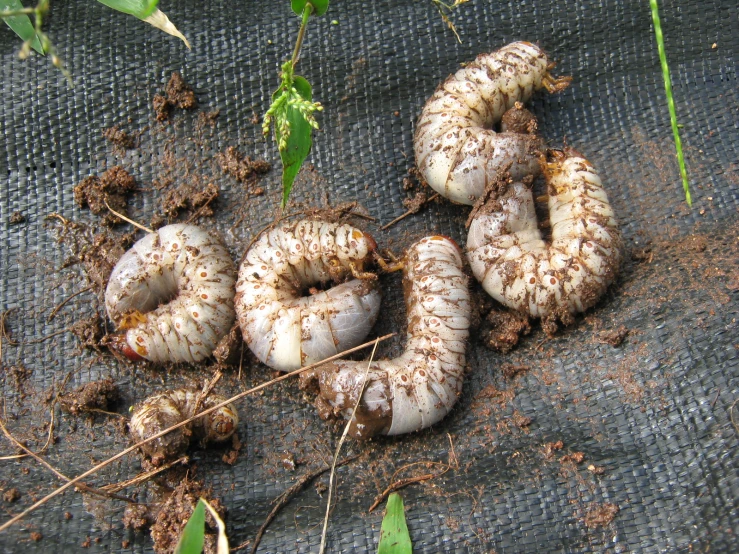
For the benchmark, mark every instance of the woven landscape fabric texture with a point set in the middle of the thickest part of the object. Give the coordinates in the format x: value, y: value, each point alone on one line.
x: 564, y: 444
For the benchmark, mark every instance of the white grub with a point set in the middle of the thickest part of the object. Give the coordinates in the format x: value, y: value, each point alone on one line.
x: 457, y: 151
x: 161, y: 411
x: 172, y: 295
x: 418, y: 388
x: 287, y: 330
x: 549, y: 281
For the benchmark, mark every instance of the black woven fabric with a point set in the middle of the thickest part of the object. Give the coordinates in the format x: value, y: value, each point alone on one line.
x: 652, y: 417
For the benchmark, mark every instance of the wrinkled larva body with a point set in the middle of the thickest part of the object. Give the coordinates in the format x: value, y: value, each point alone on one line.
x: 286, y: 330
x: 456, y: 149
x: 172, y: 295
x: 161, y: 411
x: 549, y: 281
x: 418, y: 388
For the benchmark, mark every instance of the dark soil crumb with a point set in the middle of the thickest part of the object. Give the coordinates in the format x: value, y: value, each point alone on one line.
x: 35, y: 536
x: 228, y: 350
x: 519, y: 120
x: 119, y: 137
x: 16, y: 218
x: 501, y: 329
x: 137, y: 517
x: 521, y: 421
x: 68, y: 516
x: 87, y: 543
x: 575, y: 457
x: 614, y: 337
x: 17, y: 376
x: 551, y: 447
x: 415, y: 203
x: 231, y: 456
x: 510, y: 371
x: 98, y: 395
x: 161, y: 107
x: 207, y: 119
x: 175, y: 512
x: 11, y: 495
x: 191, y: 198
x: 242, y: 168
x: 177, y: 94
x: 89, y: 332
x: 112, y: 187
x: 642, y: 254
x: 125, y: 544
x: 600, y: 515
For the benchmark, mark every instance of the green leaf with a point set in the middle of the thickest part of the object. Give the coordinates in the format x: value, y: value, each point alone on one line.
x: 319, y: 6
x: 394, y: 537
x: 193, y: 535
x: 146, y: 10
x: 137, y: 8
x: 21, y: 24
x: 299, y: 141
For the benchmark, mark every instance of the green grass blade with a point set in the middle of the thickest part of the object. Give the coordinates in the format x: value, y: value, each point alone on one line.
x: 394, y: 537
x: 21, y: 24
x: 137, y: 8
x: 670, y: 99
x: 193, y: 535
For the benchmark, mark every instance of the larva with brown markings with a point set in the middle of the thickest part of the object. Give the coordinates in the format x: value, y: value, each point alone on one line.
x: 457, y: 151
x: 287, y: 330
x: 418, y: 388
x: 171, y: 295
x: 161, y: 411
x: 556, y: 280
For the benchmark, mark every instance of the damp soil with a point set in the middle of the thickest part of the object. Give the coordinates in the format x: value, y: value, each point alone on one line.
x: 109, y: 190
x: 118, y: 137
x: 91, y: 397
x: 177, y: 94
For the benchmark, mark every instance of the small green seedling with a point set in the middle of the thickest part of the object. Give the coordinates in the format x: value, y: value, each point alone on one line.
x: 193, y: 535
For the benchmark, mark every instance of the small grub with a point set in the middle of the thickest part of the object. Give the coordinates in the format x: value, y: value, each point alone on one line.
x: 600, y: 515
x: 137, y: 517
x: 112, y: 187
x: 98, y: 395
x: 240, y: 167
x: 175, y: 513
x: 16, y: 218
x: 11, y: 495
x: 36, y: 536
x: 614, y: 337
x: 119, y: 137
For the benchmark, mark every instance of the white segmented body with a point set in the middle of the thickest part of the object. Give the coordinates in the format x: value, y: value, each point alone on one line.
x: 418, y: 388
x: 172, y: 293
x: 161, y: 411
x: 286, y: 330
x: 549, y: 281
x: 456, y: 149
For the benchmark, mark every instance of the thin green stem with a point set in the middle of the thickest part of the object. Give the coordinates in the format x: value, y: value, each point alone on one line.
x: 670, y: 99
x: 301, y: 33
x: 15, y: 13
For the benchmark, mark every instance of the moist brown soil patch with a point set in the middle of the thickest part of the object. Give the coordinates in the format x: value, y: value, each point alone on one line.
x: 175, y: 513
x: 119, y: 137
x: 240, y: 167
x: 111, y: 188
x: 191, y: 198
x: 97, y: 395
x: 177, y: 94
x: 600, y: 515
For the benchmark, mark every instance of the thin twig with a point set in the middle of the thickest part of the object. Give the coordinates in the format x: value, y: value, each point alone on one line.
x: 124, y: 218
x: 141, y: 477
x: 64, y: 302
x: 282, y: 500
x: 410, y: 212
x: 338, y: 449
x: 154, y: 437
x: 201, y: 208
x: 61, y: 476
